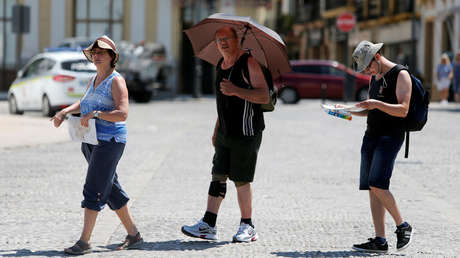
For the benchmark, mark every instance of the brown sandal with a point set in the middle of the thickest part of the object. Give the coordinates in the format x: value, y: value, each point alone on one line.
x: 131, y: 242
x: 78, y: 248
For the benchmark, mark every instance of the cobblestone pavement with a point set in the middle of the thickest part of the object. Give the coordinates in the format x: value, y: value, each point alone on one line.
x: 306, y: 198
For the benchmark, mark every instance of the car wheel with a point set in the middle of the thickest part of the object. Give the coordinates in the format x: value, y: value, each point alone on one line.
x: 13, y: 106
x: 362, y: 94
x: 289, y: 95
x: 47, y: 110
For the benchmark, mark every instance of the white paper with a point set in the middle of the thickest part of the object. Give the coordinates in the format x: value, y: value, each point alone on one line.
x: 80, y: 133
x: 354, y: 109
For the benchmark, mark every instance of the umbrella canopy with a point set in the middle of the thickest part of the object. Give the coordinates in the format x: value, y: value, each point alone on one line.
x: 265, y: 45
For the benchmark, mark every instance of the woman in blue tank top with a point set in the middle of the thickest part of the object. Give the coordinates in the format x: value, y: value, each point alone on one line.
x: 106, y: 101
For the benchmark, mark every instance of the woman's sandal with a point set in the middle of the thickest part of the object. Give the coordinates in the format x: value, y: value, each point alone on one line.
x: 78, y: 248
x: 131, y: 242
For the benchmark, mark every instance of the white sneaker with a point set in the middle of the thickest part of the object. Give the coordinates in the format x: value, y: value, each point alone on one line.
x: 200, y: 230
x: 245, y: 233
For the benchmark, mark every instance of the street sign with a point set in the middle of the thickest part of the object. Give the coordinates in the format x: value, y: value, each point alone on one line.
x: 346, y: 22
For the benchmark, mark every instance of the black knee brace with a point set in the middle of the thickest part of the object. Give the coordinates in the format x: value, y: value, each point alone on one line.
x: 216, y: 189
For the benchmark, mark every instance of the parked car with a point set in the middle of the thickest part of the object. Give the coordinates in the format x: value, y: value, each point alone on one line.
x: 77, y: 42
x: 49, y: 82
x: 321, y: 79
x: 145, y: 68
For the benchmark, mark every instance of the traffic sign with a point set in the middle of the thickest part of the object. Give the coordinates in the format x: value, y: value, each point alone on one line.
x: 346, y: 22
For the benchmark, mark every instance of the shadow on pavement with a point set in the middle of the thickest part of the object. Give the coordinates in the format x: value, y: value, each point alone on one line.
x: 46, y: 253
x: 330, y: 254
x: 177, y: 245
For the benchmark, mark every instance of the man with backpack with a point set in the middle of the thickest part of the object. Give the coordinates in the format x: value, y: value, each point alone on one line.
x: 386, y: 109
x: 241, y: 88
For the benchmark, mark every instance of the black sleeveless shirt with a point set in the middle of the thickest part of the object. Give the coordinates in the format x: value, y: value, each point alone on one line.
x: 378, y: 122
x: 237, y: 117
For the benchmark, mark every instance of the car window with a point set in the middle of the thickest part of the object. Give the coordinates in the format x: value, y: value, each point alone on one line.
x: 336, y: 71
x: 34, y: 68
x: 314, y: 69
x: 64, y: 45
x: 81, y: 65
x: 45, y: 65
x: 84, y: 44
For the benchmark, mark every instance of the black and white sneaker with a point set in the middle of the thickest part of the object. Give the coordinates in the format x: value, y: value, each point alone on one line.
x: 372, y: 247
x: 404, y: 236
x: 200, y: 230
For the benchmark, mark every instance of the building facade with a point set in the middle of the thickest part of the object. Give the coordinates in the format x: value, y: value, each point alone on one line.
x: 159, y: 21
x: 394, y: 22
x: 52, y: 21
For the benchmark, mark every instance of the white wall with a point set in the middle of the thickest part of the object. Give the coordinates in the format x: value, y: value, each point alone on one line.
x: 227, y: 6
x: 394, y: 33
x: 30, y: 40
x: 164, y: 24
x: 138, y: 20
x: 58, y: 21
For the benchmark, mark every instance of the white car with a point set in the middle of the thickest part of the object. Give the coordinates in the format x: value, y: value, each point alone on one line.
x: 49, y: 82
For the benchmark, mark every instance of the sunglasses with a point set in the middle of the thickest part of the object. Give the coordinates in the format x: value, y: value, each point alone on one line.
x: 220, y: 40
x: 98, y: 52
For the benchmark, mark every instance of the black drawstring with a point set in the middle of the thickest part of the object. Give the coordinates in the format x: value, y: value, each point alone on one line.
x: 244, y: 35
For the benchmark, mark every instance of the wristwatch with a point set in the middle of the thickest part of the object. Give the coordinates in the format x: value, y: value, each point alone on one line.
x: 96, y: 114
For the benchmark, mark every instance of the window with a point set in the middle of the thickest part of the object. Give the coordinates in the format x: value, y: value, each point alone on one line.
x: 94, y: 18
x: 82, y: 65
x: 403, y: 6
x: 314, y: 69
x: 39, y: 66
x: 336, y: 72
x: 332, y: 4
x: 46, y: 65
x: 34, y: 68
x: 374, y: 8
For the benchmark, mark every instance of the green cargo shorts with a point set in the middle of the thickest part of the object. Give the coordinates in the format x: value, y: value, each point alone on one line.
x: 236, y: 157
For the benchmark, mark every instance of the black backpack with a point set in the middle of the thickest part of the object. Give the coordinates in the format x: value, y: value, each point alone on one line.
x: 417, y: 115
x: 272, y: 91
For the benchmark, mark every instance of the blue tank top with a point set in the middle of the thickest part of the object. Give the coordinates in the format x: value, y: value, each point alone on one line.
x: 100, y: 99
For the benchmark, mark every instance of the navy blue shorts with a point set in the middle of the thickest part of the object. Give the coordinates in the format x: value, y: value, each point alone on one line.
x: 378, y: 154
x: 101, y: 185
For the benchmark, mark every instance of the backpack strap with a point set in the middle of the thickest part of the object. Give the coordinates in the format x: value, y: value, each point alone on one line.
x: 405, y: 68
x: 245, y: 69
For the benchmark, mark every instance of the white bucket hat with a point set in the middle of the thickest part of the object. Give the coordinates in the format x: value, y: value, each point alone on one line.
x: 103, y: 42
x: 364, y: 53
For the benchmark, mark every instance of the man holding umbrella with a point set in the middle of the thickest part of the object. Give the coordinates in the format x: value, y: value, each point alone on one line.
x: 237, y: 134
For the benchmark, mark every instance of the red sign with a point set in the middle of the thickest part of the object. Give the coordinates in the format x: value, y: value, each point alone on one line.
x: 346, y: 22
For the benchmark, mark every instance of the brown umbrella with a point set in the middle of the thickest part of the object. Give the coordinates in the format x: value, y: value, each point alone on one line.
x: 265, y: 45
